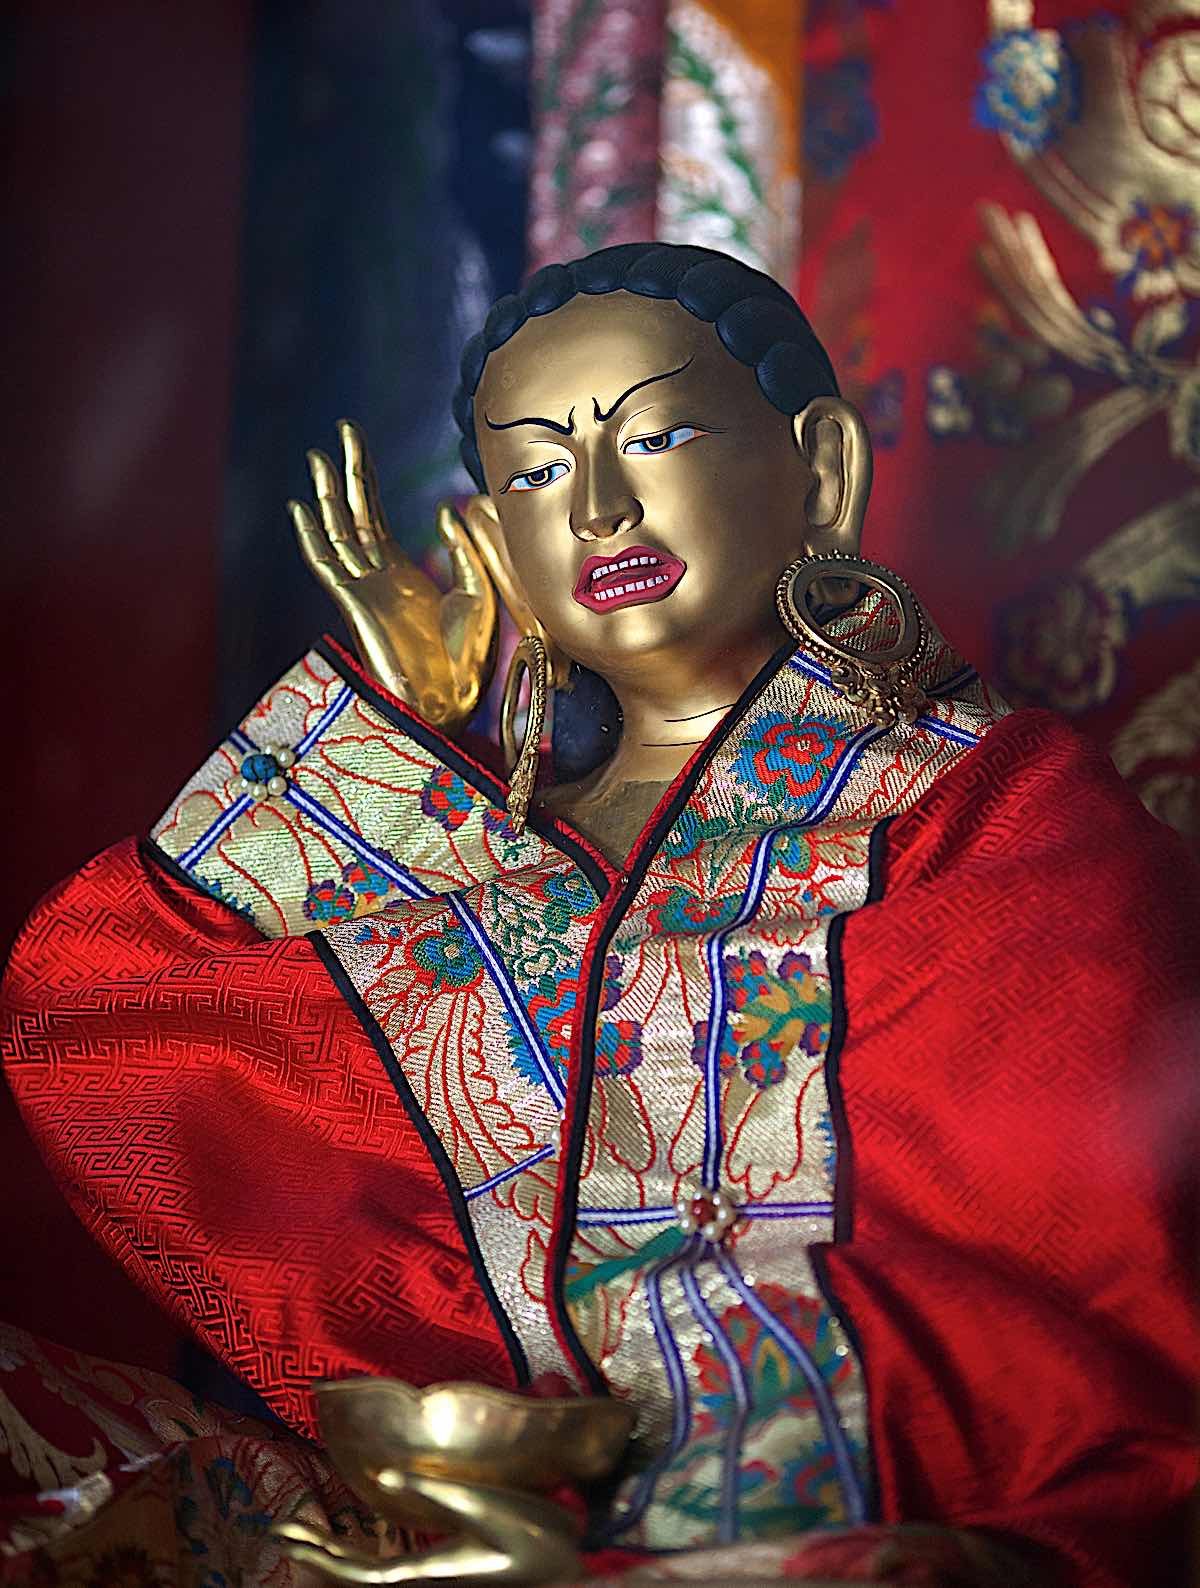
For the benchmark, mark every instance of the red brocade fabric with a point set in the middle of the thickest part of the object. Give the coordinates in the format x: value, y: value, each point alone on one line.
x: 1020, y: 1084
x: 222, y: 1125
x: 1021, y: 1002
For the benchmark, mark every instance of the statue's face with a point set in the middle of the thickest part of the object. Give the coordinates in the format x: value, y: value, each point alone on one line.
x: 648, y: 494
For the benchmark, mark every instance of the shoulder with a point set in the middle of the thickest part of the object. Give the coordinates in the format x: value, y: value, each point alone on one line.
x: 1031, y: 960
x: 1038, y: 797
x: 1036, y: 923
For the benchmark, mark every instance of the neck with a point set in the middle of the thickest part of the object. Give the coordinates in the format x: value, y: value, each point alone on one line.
x: 669, y: 710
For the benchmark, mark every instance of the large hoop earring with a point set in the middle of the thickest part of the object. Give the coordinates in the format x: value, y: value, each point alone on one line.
x: 880, y: 681
x: 529, y: 657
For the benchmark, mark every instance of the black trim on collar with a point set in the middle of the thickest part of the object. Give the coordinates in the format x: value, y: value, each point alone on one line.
x: 843, y: 1184
x: 843, y: 1209
x: 573, y: 1146
x: 154, y: 854
x: 428, y: 1135
x: 476, y: 777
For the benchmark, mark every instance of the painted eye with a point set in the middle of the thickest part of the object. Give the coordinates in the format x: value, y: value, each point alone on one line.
x: 538, y: 479
x: 662, y: 441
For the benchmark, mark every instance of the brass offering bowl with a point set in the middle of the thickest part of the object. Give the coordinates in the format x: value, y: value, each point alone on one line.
x: 469, y: 1463
x: 469, y: 1432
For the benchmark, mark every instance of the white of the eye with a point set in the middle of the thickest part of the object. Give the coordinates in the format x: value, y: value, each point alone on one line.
x: 523, y: 483
x: 675, y: 438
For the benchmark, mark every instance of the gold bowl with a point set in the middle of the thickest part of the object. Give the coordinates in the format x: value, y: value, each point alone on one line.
x: 468, y: 1432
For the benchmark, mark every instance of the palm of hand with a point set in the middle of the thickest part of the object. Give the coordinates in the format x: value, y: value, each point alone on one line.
x: 429, y: 647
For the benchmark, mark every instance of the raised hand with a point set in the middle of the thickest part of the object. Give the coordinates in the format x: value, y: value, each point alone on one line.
x: 429, y: 647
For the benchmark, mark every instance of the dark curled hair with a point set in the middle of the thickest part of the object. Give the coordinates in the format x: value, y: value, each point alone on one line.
x: 757, y: 320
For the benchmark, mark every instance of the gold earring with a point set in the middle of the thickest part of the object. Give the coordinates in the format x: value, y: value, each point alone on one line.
x: 881, y: 681
x: 532, y: 657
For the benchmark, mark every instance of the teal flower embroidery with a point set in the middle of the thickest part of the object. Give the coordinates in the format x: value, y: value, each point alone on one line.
x: 676, y: 910
x: 446, y: 960
x: 565, y: 897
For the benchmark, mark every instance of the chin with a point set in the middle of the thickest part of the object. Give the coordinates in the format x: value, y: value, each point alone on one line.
x: 625, y: 646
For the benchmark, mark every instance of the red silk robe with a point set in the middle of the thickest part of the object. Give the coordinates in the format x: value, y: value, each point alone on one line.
x: 354, y: 1079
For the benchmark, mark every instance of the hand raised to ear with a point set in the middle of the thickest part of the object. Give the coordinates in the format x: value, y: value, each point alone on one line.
x: 431, y: 648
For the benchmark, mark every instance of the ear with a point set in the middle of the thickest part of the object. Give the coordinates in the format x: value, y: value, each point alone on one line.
x: 483, y: 522
x: 833, y: 440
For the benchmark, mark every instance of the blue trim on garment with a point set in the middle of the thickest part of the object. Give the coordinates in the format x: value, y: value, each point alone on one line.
x: 714, y: 948
x: 413, y: 889
x: 831, y: 1423
x: 681, y: 1400
x: 714, y: 952
x: 614, y: 1218
x: 209, y: 837
x: 514, y: 1004
x: 325, y: 819
x: 510, y: 1173
x: 731, y: 1461
x: 326, y: 720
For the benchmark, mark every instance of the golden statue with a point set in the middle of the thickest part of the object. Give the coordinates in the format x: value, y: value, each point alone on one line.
x: 774, y: 1089
x: 588, y: 459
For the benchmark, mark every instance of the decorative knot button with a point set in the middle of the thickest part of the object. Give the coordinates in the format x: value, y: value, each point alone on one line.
x: 262, y: 772
x: 707, y: 1213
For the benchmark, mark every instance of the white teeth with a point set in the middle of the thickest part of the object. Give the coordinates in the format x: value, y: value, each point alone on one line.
x: 623, y: 562
x: 631, y: 588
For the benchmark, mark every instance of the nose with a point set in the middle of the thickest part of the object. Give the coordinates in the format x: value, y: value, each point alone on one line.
x: 623, y: 514
x: 602, y: 504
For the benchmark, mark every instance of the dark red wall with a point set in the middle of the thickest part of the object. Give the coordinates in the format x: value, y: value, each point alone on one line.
x: 121, y: 141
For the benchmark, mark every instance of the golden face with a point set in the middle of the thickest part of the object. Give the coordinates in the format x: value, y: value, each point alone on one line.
x: 647, y: 492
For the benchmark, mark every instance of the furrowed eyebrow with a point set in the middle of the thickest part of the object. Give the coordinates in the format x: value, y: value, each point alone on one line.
x: 637, y: 386
x: 547, y: 424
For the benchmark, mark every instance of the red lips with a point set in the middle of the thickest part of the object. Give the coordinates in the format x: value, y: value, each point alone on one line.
x: 626, y: 578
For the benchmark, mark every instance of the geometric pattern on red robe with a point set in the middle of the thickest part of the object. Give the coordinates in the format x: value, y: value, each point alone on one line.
x: 722, y: 915
x: 1012, y: 1067
x: 1020, y: 1086
x: 220, y: 1123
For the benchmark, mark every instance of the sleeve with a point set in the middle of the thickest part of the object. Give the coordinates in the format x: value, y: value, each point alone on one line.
x: 332, y: 799
x: 1019, y: 1083
x: 214, y: 1112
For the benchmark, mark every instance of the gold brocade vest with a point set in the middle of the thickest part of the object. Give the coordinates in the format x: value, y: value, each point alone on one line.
x: 627, y: 1080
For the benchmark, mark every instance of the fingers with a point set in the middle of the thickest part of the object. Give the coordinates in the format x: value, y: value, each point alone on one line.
x: 315, y: 547
x: 466, y: 565
x: 362, y: 493
x: 335, y: 515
